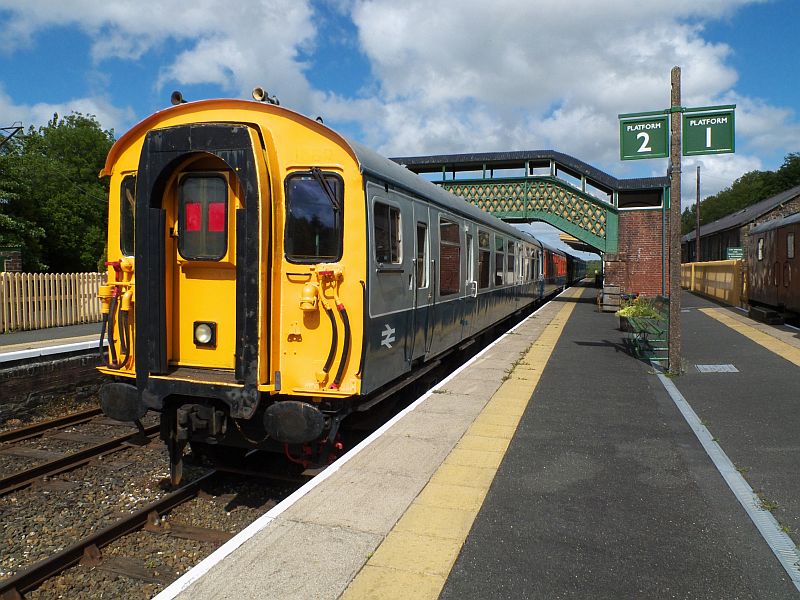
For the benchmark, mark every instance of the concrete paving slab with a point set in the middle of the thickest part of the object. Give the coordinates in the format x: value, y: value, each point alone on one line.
x: 359, y: 501
x: 410, y: 457
x: 432, y: 425
x: 289, y: 559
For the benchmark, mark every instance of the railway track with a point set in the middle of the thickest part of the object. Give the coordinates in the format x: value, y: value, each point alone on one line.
x: 37, y: 429
x: 26, y: 477
x: 98, y: 559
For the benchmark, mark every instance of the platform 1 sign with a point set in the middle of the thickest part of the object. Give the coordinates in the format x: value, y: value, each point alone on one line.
x: 708, y: 133
x: 644, y: 137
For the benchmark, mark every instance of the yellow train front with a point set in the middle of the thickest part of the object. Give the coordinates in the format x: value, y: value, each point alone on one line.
x: 246, y: 243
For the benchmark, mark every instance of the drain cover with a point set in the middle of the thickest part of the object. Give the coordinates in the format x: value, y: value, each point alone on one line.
x: 717, y: 368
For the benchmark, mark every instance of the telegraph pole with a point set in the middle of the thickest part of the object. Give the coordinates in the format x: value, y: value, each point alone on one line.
x: 697, y: 220
x: 675, y: 225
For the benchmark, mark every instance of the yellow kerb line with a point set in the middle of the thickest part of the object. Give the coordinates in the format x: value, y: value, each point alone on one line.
x: 782, y: 349
x: 415, y: 559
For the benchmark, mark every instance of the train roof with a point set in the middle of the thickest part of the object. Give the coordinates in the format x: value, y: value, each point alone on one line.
x: 382, y: 168
x: 370, y: 162
x: 775, y: 223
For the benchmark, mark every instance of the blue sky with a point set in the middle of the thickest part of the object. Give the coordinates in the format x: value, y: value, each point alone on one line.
x: 416, y: 77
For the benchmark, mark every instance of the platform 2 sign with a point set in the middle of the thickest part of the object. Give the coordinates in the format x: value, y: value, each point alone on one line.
x: 708, y: 133
x: 646, y: 137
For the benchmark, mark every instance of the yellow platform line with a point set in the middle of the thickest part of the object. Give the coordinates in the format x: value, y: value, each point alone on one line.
x: 415, y: 558
x: 782, y: 349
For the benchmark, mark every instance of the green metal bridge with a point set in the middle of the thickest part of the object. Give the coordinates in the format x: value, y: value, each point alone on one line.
x: 548, y: 186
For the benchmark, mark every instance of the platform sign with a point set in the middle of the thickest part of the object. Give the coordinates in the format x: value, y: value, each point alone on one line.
x: 708, y: 133
x: 734, y: 253
x: 644, y: 137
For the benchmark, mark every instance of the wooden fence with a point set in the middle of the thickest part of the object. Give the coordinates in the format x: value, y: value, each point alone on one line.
x: 723, y: 280
x: 39, y: 300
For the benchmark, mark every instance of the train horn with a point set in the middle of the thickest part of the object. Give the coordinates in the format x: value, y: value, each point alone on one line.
x: 177, y: 98
x: 262, y: 95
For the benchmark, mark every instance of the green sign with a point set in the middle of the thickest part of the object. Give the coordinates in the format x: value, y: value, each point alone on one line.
x: 708, y: 133
x: 734, y: 253
x: 645, y: 137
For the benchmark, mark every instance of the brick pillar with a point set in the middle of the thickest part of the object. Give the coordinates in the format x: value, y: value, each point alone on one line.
x: 12, y: 258
x: 637, y: 267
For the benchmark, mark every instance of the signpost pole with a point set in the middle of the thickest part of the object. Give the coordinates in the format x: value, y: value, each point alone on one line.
x: 697, y: 219
x: 675, y: 225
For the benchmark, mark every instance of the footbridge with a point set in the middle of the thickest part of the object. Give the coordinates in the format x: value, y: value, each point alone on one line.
x: 549, y: 186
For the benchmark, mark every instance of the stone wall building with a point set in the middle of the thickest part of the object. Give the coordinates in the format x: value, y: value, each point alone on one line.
x: 731, y: 231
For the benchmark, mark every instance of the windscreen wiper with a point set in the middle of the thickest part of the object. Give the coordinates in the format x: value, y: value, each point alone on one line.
x: 323, y: 183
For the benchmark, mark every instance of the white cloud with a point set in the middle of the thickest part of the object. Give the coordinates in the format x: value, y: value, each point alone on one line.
x: 455, y: 76
x: 108, y: 115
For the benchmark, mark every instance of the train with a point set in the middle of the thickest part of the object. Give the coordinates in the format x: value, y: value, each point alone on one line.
x: 268, y: 278
x: 773, y: 270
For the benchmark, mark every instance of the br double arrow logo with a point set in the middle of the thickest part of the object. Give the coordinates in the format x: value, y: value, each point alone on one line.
x: 387, y: 336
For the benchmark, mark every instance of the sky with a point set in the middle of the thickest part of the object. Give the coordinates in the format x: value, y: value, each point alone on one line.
x: 424, y: 77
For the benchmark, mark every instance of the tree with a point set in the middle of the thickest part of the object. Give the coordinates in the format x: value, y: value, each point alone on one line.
x: 51, y: 200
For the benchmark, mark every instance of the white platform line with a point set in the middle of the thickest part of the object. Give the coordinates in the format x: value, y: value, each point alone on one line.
x: 48, y: 350
x: 210, y: 561
x: 779, y: 542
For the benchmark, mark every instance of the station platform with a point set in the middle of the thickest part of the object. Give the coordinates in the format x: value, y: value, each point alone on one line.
x: 555, y: 465
x: 52, y: 340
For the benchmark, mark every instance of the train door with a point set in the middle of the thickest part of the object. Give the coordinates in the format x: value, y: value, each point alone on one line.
x: 391, y: 286
x: 783, y: 255
x: 446, y: 316
x: 423, y: 287
x: 469, y: 320
x: 202, y: 203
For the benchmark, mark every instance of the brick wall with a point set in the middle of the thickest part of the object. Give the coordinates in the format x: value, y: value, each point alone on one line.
x: 24, y: 388
x: 637, y: 266
x: 13, y: 260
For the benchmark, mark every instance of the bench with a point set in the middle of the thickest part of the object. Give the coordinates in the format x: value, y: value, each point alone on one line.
x: 648, y: 337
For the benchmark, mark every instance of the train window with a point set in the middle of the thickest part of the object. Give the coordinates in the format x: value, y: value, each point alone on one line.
x: 313, y: 217
x: 510, y: 267
x: 127, y: 214
x: 760, y: 249
x: 387, y: 234
x: 423, y: 255
x: 499, y: 260
x: 449, y: 258
x: 202, y: 211
x: 484, y: 258
x: 789, y: 245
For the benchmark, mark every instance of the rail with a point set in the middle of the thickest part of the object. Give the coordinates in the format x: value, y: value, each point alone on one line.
x: 721, y: 280
x: 39, y: 300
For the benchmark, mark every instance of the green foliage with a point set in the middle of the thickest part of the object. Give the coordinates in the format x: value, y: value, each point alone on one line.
x: 51, y: 200
x: 639, y: 307
x: 750, y: 188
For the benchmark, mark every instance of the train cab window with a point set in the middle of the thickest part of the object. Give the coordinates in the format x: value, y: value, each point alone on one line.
x: 127, y: 214
x: 423, y: 255
x: 789, y: 245
x: 511, y: 257
x: 449, y: 258
x: 314, y: 217
x: 387, y: 234
x: 484, y: 258
x: 202, y: 217
x: 499, y: 260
